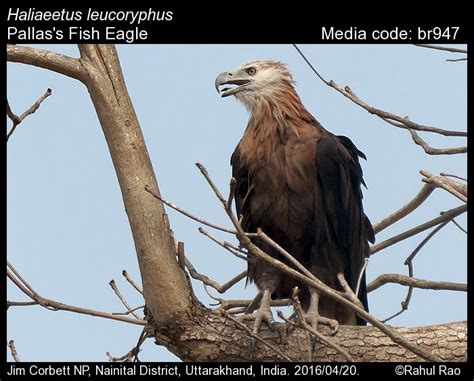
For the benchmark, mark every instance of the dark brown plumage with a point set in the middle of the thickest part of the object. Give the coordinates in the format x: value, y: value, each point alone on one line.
x: 301, y: 185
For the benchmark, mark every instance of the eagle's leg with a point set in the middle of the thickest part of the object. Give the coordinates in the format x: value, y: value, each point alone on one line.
x: 313, y: 317
x: 264, y: 312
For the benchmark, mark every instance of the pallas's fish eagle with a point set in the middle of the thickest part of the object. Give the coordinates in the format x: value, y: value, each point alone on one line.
x: 301, y: 185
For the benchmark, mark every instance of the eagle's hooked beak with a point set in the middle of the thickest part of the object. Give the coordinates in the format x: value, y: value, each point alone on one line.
x: 228, y: 78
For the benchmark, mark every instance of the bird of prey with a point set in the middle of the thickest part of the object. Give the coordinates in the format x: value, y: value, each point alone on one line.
x: 301, y: 185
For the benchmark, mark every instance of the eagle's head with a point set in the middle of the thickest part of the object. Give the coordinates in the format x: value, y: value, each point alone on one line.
x: 254, y: 82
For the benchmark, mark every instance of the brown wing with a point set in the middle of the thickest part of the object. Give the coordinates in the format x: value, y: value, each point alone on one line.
x: 343, y: 223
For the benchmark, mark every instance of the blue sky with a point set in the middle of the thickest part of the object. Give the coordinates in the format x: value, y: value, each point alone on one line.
x: 68, y: 233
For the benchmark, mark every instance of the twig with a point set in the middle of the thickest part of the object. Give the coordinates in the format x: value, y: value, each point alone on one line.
x: 315, y: 283
x: 11, y: 345
x: 405, y: 280
x: 131, y: 281
x: 122, y: 299
x: 226, y: 245
x: 132, y: 352
x: 385, y: 115
x: 435, y: 151
x: 445, y: 216
x: 313, y: 331
x: 349, y: 293
x: 459, y: 226
x: 453, y: 176
x: 409, y: 263
x: 181, y: 255
x: 455, y: 188
x: 18, y: 304
x: 212, y: 283
x: 129, y: 311
x: 18, y: 119
x: 13, y: 275
x: 456, y: 59
x: 361, y: 275
x: 437, y: 47
x: 405, y: 210
x: 189, y: 215
x: 258, y: 337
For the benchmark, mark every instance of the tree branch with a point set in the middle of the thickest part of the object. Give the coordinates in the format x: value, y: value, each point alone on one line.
x: 446, y: 216
x: 405, y: 280
x: 436, y: 151
x: 114, y: 287
x: 11, y: 345
x: 405, y: 210
x: 18, y: 119
x: 445, y: 48
x: 46, y: 59
x: 404, y: 122
x: 14, y: 276
x: 455, y: 188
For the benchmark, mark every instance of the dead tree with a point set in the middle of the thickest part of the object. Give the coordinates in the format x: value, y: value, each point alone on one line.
x: 175, y: 318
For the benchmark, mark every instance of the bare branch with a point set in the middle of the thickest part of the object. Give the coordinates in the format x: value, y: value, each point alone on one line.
x: 456, y: 59
x: 128, y: 312
x: 11, y: 345
x: 459, y: 226
x: 453, y: 176
x: 46, y: 59
x: 258, y: 337
x: 405, y: 280
x: 13, y: 275
x: 437, y: 47
x: 181, y: 255
x: 189, y: 215
x: 445, y: 216
x: 405, y: 210
x: 361, y: 274
x: 455, y: 188
x: 18, y: 119
x: 114, y: 287
x: 436, y: 151
x: 131, y: 281
x: 404, y: 122
x: 226, y: 245
x: 348, y: 290
x: 409, y: 262
x: 19, y: 304
x: 212, y: 283
x: 131, y: 355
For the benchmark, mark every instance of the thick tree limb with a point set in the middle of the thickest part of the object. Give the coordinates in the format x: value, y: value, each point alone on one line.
x: 213, y: 337
x: 46, y: 59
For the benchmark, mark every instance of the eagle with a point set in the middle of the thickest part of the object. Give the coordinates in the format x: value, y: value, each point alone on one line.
x: 301, y: 185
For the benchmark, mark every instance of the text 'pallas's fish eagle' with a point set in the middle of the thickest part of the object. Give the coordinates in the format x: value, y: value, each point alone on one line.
x: 301, y: 185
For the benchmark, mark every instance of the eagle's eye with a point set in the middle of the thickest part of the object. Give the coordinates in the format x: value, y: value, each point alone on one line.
x: 251, y: 70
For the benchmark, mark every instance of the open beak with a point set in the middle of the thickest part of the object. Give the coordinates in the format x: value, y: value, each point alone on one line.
x: 227, y: 78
